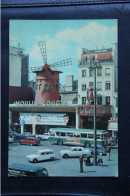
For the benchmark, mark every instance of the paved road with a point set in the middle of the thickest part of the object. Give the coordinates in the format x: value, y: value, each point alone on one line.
x: 60, y: 166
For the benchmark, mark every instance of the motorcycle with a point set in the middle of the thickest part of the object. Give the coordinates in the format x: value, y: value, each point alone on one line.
x: 89, y: 161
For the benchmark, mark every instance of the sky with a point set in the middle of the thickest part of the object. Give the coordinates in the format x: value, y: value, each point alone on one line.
x: 64, y: 39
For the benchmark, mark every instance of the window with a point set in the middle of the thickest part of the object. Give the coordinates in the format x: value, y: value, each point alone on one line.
x: 83, y: 100
x: 57, y: 87
x: 90, y: 84
x: 107, y: 86
x: 90, y: 136
x: 70, y: 134
x: 46, y: 86
x: 83, y: 135
x: 53, y: 73
x: 63, y: 134
x: 107, y: 72
x: 83, y: 73
x: 83, y: 87
x: 91, y: 73
x: 52, y: 87
x: 99, y: 72
x: 57, y: 133
x: 99, y: 85
x: 107, y: 100
x: 40, y: 87
x: 99, y: 100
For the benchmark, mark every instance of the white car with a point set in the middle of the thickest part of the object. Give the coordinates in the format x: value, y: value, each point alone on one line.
x: 41, y: 155
x: 75, y: 152
x: 45, y: 136
x: 10, y: 139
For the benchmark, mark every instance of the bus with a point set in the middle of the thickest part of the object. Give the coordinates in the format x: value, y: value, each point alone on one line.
x: 84, y: 137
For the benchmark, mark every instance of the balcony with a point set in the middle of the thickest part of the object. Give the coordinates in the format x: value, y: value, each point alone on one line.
x: 88, y: 110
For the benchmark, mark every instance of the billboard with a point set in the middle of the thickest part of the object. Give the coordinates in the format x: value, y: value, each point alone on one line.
x: 44, y: 118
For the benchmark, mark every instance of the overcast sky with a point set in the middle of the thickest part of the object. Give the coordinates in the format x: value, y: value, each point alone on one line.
x: 64, y: 39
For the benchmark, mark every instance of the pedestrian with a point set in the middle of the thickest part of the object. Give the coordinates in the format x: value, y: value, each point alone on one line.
x: 81, y: 163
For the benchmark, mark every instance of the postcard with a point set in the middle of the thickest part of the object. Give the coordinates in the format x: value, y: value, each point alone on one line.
x: 63, y: 98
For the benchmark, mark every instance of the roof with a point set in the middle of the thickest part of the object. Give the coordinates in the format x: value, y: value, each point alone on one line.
x: 104, y: 56
x: 80, y: 130
x: 44, y: 150
x: 45, y: 67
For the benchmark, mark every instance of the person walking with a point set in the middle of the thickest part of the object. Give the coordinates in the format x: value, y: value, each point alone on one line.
x: 81, y: 163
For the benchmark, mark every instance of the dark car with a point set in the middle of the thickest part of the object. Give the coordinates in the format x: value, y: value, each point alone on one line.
x: 12, y: 134
x: 29, y: 141
x: 20, y: 170
x: 24, y: 135
x: 100, y: 150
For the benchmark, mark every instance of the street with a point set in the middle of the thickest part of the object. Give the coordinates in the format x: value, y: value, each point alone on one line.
x: 61, y: 166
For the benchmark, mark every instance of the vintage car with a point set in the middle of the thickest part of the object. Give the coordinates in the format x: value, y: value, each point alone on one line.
x: 10, y: 139
x: 75, y: 152
x: 100, y: 150
x: 24, y: 135
x: 30, y: 141
x: 21, y: 170
x: 41, y: 155
x: 44, y: 136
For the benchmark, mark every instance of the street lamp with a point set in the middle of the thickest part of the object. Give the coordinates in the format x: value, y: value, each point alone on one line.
x: 94, y: 65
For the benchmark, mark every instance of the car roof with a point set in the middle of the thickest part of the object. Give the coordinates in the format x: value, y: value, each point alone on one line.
x: 45, y: 150
x: 76, y: 147
x: 23, y: 167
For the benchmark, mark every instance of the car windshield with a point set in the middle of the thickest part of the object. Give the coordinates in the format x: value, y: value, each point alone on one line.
x: 39, y: 153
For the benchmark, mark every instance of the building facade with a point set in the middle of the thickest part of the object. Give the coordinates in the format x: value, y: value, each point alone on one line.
x: 18, y: 67
x: 69, y: 92
x: 106, y: 83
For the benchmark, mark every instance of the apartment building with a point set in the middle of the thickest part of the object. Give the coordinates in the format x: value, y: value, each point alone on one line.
x: 106, y: 81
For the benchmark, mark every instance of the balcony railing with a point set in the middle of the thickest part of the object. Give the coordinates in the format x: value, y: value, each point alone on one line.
x: 88, y: 110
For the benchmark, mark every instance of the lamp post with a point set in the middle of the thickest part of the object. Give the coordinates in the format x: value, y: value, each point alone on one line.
x: 94, y: 65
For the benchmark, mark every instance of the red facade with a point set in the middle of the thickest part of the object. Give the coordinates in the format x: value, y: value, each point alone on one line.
x: 47, y: 85
x: 18, y: 93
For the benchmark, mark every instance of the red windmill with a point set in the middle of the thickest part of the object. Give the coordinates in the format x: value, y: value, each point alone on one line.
x: 47, y: 78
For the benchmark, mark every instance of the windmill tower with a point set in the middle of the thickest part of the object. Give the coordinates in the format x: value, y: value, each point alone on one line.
x: 47, y: 78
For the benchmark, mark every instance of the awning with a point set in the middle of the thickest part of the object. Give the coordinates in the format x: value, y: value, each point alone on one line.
x: 84, y: 57
x: 106, y: 56
x: 91, y: 57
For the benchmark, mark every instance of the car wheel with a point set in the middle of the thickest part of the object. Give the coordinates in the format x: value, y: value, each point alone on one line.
x: 39, y: 138
x: 52, y: 158
x: 87, y: 144
x: 100, y: 153
x: 35, y: 161
x: 20, y: 143
x: 65, y: 156
x: 60, y: 142
x: 31, y: 144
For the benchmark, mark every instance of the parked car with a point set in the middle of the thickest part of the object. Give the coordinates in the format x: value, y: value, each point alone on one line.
x: 30, y: 141
x: 100, y: 150
x: 75, y: 152
x: 10, y: 139
x: 23, y: 135
x: 41, y: 155
x: 44, y: 136
x: 20, y: 170
x: 12, y: 133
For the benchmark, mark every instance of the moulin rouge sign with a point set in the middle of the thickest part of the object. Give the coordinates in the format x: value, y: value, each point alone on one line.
x: 47, y: 103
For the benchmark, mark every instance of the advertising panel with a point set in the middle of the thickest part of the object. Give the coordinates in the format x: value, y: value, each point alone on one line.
x: 44, y: 118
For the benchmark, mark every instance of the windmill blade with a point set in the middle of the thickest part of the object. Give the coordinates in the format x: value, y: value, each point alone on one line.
x: 42, y: 46
x: 66, y: 62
